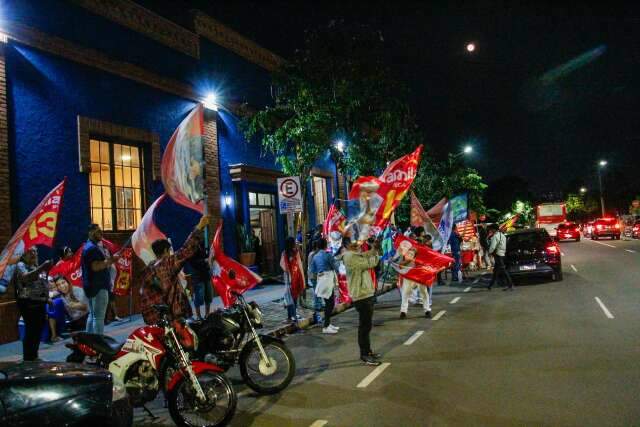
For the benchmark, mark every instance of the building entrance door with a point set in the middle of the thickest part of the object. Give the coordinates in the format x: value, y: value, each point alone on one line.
x: 269, y: 241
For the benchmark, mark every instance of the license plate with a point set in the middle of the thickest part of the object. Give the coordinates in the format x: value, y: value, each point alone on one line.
x: 527, y: 267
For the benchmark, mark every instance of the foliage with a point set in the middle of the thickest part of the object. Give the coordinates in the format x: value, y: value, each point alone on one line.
x: 525, y: 210
x: 337, y: 87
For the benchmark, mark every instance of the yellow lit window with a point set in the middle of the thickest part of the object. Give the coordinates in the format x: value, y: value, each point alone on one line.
x: 116, y: 184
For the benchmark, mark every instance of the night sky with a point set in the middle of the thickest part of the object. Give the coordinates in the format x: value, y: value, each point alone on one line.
x: 525, y: 113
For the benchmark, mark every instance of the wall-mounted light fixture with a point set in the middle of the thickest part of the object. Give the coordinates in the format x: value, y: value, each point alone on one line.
x: 227, y: 200
x: 211, y: 101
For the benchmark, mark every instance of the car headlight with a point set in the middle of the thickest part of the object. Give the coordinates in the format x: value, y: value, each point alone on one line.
x: 118, y: 390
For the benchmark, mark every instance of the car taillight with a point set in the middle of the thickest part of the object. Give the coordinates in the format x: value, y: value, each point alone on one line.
x: 617, y: 226
x: 552, y: 249
x: 599, y: 226
x: 636, y: 227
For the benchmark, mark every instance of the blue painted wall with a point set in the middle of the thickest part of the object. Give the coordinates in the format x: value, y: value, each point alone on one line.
x: 46, y: 94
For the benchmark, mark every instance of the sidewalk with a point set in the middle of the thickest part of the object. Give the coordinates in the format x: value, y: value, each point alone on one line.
x: 268, y: 297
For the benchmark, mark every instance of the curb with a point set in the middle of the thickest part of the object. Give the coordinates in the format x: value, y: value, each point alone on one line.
x: 307, y: 322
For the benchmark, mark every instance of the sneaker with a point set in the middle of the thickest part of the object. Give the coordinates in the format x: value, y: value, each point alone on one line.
x: 118, y: 319
x: 337, y: 328
x: 403, y: 315
x: 370, y: 361
x: 298, y: 317
x: 328, y: 330
x: 375, y: 355
x: 427, y: 314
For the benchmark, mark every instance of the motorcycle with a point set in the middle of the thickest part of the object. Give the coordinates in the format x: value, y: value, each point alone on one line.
x: 229, y: 337
x: 197, y: 393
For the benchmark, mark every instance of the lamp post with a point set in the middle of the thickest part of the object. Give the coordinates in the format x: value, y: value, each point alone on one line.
x: 601, y: 165
x: 583, y: 190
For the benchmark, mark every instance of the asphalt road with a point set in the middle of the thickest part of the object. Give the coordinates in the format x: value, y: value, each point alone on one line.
x: 547, y: 354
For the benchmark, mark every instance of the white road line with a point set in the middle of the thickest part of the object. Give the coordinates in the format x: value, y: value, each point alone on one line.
x: 467, y: 289
x: 413, y: 338
x: 630, y: 251
x: 319, y: 423
x: 439, y: 315
x: 574, y: 268
x: 373, y: 375
x: 455, y: 300
x: 603, y: 244
x: 606, y: 311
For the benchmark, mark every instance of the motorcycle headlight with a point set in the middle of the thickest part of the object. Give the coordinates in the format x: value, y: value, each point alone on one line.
x: 118, y: 390
x: 256, y: 313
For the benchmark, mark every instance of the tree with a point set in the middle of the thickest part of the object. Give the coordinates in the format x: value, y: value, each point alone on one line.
x: 337, y: 86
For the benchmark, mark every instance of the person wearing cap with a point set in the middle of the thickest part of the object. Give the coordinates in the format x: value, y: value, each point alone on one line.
x: 96, y: 279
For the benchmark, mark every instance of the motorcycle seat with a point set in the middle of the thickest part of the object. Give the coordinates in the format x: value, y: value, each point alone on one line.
x: 101, y: 343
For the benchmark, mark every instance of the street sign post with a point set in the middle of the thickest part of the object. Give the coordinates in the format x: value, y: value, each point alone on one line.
x: 289, y: 195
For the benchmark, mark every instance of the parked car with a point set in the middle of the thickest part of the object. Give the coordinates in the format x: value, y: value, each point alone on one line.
x: 532, y: 252
x: 568, y: 231
x: 635, y: 231
x: 606, y: 227
x: 61, y: 394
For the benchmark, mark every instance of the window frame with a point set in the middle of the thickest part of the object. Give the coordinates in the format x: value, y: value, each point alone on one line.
x: 145, y: 178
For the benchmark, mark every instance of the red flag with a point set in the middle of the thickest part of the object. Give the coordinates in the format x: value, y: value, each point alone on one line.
x: 122, y: 283
x: 379, y: 197
x: 222, y: 265
x: 183, y: 162
x: 418, y: 215
x: 147, y: 233
x: 38, y: 229
x: 71, y: 269
x: 335, y: 221
x: 426, y: 262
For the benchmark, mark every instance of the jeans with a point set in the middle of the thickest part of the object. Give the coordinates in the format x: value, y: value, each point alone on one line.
x: 328, y: 309
x: 97, y: 312
x: 455, y: 268
x: 364, y: 307
x: 500, y: 270
x: 58, y: 312
x: 35, y: 316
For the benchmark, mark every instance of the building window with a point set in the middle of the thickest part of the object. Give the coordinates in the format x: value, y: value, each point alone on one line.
x: 320, y: 198
x: 116, y: 183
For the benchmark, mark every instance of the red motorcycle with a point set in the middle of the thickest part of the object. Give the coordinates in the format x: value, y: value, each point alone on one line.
x: 198, y: 394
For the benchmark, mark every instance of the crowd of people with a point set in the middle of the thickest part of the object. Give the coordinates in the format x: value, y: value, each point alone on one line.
x: 363, y: 261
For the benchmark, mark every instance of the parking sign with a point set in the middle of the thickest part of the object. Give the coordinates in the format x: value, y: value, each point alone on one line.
x: 289, y: 195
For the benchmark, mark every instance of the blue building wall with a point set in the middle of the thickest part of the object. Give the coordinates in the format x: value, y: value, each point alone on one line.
x: 46, y: 93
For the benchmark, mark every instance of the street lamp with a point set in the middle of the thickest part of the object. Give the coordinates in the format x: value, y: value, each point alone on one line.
x: 471, y: 47
x: 467, y: 149
x: 211, y: 101
x: 340, y: 145
x: 583, y: 190
x: 601, y: 165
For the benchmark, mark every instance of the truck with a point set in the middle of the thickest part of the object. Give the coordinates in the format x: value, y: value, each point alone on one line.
x: 550, y: 215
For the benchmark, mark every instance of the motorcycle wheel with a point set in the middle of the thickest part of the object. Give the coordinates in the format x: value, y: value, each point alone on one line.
x: 218, y: 409
x: 261, y: 378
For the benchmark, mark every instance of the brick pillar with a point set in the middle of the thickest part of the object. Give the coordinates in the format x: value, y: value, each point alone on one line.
x: 5, y: 189
x: 212, y: 166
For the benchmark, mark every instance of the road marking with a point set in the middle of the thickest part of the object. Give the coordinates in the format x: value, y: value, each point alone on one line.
x: 630, y: 251
x: 319, y: 423
x: 455, y: 300
x: 574, y: 268
x: 602, y: 243
x: 413, y: 338
x: 467, y: 289
x: 606, y: 311
x: 373, y: 375
x: 439, y: 315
